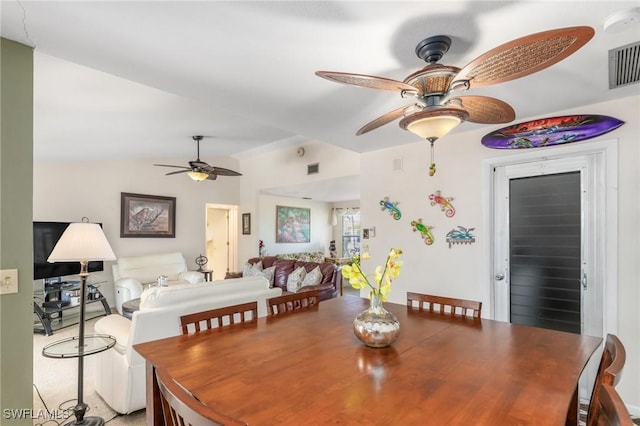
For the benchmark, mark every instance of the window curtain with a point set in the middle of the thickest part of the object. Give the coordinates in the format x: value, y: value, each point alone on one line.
x: 341, y: 211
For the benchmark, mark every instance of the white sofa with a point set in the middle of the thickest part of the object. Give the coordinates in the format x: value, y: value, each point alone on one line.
x: 132, y: 274
x: 119, y: 374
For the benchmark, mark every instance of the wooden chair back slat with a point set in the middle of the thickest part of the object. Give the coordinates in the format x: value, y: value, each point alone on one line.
x: 180, y: 408
x: 609, y: 372
x: 293, y: 302
x: 612, y: 411
x: 444, y: 305
x: 220, y: 317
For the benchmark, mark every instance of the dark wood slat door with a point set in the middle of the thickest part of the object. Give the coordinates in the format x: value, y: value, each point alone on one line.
x: 545, y: 251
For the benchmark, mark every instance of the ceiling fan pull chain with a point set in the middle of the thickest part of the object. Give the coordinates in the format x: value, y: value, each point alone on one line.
x: 432, y: 166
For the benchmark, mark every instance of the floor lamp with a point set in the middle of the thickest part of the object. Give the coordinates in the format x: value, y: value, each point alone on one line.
x: 82, y: 242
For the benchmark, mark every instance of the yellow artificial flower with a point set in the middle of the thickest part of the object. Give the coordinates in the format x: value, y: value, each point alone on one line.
x: 383, y: 276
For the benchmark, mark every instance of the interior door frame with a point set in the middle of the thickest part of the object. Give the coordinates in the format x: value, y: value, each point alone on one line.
x: 609, y: 155
x: 232, y: 237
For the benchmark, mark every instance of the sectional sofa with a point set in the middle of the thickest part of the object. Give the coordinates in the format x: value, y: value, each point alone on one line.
x: 132, y: 274
x: 119, y: 374
x: 278, y: 270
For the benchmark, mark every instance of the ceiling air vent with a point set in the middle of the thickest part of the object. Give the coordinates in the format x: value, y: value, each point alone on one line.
x: 624, y: 65
x: 313, y: 168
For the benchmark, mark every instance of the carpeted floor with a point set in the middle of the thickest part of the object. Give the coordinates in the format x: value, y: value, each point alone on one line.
x: 55, y: 386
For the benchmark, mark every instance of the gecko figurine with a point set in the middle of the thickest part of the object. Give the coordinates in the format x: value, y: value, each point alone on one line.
x: 425, y: 230
x: 445, y: 203
x: 392, y: 207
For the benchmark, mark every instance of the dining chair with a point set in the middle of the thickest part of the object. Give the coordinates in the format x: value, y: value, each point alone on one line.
x: 222, y: 316
x: 609, y: 373
x: 611, y: 408
x: 304, y: 300
x: 181, y: 408
x: 444, y: 305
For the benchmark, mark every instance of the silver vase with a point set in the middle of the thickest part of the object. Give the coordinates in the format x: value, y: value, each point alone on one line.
x: 376, y: 327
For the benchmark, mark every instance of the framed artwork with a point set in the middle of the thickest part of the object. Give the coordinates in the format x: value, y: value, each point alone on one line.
x: 147, y: 216
x: 293, y: 225
x: 246, y: 223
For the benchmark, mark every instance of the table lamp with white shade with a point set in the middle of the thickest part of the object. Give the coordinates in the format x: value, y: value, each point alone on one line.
x: 82, y: 242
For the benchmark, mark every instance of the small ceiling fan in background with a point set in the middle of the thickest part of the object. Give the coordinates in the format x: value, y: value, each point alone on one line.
x: 198, y: 170
x: 436, y: 111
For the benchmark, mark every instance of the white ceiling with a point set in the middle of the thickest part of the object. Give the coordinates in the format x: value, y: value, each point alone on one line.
x: 125, y: 79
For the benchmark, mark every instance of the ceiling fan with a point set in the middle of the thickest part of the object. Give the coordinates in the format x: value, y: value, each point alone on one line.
x: 437, y: 111
x: 199, y: 170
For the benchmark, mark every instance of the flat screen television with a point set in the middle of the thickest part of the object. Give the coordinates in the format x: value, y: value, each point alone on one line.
x: 45, y: 237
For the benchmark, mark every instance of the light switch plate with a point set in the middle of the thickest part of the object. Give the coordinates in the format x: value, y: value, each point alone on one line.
x: 8, y: 281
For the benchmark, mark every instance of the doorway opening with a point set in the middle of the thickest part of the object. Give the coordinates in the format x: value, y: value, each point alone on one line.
x: 221, y: 239
x: 596, y: 282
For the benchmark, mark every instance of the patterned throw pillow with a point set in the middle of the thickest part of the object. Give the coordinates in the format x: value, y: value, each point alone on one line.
x: 249, y: 270
x: 294, y: 281
x: 303, y: 257
x: 288, y: 256
x: 312, y: 278
x: 269, y: 273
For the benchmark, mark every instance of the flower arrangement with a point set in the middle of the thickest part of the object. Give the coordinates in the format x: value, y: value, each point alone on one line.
x: 383, y: 275
x: 260, y: 248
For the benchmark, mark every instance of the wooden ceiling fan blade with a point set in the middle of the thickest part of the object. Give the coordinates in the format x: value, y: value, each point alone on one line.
x: 212, y: 177
x: 484, y: 109
x: 524, y: 56
x: 179, y: 171
x: 206, y: 168
x: 383, y: 119
x: 224, y: 172
x: 170, y: 165
x: 198, y: 164
x: 368, y: 81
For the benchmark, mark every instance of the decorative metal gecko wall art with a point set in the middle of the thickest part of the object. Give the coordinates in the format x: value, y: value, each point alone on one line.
x: 425, y: 231
x: 443, y: 202
x: 460, y: 235
x: 392, y: 207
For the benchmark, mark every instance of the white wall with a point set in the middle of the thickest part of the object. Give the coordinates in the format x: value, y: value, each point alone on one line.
x: 321, y: 229
x: 67, y: 192
x: 457, y: 271
x: 283, y: 168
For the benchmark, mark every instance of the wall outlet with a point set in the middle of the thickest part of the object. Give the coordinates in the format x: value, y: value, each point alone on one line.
x: 8, y: 281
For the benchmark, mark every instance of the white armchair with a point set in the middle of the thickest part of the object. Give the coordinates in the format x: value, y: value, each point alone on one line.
x: 131, y: 274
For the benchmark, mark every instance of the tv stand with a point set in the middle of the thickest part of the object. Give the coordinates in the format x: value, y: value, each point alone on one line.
x: 50, y: 310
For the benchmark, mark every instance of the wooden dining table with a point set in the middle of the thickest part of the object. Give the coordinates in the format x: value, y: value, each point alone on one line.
x: 309, y: 368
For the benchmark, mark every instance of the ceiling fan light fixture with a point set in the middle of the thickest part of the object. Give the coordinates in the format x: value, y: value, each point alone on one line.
x: 432, y: 124
x: 198, y: 176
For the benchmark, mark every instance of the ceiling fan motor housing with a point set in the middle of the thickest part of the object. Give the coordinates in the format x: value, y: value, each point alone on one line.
x: 432, y: 80
x: 432, y: 49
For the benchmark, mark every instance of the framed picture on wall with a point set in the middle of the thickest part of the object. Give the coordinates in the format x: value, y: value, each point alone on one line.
x: 147, y: 216
x: 246, y: 223
x: 293, y: 225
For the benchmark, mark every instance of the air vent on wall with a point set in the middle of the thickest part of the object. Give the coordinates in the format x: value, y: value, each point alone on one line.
x: 313, y: 168
x: 624, y: 65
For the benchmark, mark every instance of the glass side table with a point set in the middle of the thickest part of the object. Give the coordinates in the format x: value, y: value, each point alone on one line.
x: 69, y: 347
x: 79, y: 347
